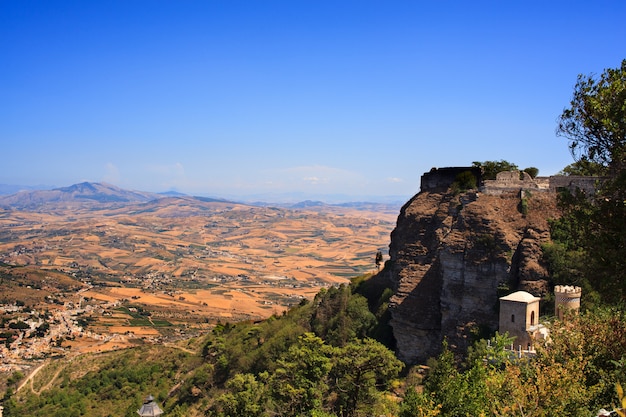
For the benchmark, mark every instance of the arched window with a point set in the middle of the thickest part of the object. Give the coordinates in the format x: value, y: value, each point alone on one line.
x: 512, y: 318
x: 532, y: 318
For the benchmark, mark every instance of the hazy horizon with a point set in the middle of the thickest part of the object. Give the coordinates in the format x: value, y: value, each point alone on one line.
x: 270, y: 198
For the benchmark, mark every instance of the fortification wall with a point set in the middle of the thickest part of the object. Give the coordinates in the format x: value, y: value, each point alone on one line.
x: 439, y: 179
x: 572, y: 182
x: 514, y: 181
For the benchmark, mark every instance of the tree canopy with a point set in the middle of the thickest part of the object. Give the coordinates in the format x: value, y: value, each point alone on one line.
x: 595, y: 122
x: 584, y: 167
x: 593, y: 227
x: 491, y: 168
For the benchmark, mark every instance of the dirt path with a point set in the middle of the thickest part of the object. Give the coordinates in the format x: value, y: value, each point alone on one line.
x: 180, y: 348
x: 48, y: 385
x: 29, y: 378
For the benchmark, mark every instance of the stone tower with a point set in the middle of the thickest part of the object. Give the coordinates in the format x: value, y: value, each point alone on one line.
x: 519, y: 316
x: 566, y: 297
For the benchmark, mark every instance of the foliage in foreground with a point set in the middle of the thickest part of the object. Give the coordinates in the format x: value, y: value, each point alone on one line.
x: 574, y: 375
x: 318, y: 360
x: 112, y: 384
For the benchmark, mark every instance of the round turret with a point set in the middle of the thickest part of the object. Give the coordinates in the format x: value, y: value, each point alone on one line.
x: 566, y: 297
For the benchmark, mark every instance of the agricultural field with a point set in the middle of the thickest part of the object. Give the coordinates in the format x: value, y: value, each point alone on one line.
x: 168, y: 268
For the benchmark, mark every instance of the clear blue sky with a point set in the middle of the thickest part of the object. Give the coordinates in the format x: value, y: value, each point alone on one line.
x: 233, y: 98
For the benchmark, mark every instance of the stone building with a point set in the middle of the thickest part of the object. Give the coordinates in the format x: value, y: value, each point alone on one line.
x: 519, y: 316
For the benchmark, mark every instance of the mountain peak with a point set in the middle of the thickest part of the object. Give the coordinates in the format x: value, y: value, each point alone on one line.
x: 84, y: 192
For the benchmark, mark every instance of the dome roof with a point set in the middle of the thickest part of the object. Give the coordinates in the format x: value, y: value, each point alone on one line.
x: 520, y: 297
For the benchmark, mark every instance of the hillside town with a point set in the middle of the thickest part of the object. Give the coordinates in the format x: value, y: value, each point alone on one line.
x: 29, y: 335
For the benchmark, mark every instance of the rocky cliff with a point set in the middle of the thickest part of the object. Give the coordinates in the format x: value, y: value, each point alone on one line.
x: 452, y: 255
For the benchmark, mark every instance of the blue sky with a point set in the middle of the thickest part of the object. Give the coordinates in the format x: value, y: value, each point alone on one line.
x: 238, y: 98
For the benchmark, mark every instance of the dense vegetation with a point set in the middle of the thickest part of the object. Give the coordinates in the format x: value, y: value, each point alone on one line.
x: 318, y: 359
x: 591, y: 235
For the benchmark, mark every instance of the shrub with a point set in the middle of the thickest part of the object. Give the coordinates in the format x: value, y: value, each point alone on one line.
x: 464, y: 181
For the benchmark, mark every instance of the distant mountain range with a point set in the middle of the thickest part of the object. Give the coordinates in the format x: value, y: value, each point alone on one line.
x: 83, y: 192
x: 100, y: 193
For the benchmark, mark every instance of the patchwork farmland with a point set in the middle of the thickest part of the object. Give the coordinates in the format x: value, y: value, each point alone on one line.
x: 169, y: 268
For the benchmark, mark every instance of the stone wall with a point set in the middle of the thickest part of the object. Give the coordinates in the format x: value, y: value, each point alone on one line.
x: 572, y: 182
x: 511, y: 181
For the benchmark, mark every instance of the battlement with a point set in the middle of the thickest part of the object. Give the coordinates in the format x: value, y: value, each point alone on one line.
x: 567, y: 290
x: 566, y: 297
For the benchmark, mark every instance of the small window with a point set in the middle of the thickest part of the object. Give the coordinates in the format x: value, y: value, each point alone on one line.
x: 512, y: 318
x: 532, y: 318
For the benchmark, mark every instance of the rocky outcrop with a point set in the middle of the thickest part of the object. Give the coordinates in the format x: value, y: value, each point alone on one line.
x: 453, y: 255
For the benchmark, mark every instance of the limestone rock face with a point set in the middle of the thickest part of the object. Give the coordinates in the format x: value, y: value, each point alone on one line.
x: 453, y: 255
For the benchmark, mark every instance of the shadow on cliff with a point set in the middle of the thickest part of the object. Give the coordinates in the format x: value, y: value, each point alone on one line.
x: 378, y: 290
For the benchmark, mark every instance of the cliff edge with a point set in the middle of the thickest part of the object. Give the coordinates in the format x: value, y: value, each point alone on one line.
x: 452, y: 255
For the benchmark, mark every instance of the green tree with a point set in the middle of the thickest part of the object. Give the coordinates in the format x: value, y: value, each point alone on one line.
x: 457, y: 393
x: 298, y: 384
x: 9, y: 404
x: 360, y: 369
x: 606, y: 240
x: 491, y: 168
x: 532, y: 171
x: 341, y: 316
x: 16, y: 377
x: 418, y: 404
x: 246, y: 397
x: 600, y: 335
x: 465, y: 181
x: 584, y: 167
x: 197, y: 386
x: 595, y: 122
x: 494, y: 353
x: 595, y: 125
